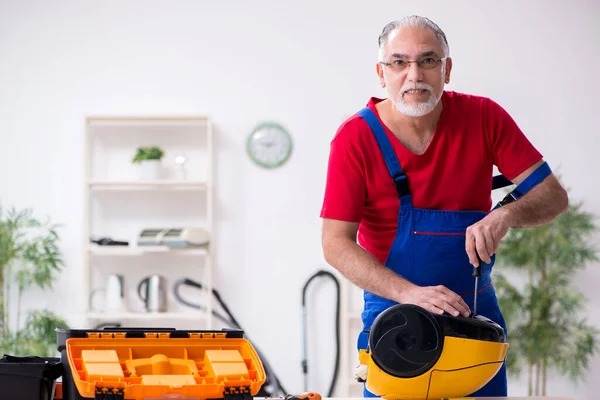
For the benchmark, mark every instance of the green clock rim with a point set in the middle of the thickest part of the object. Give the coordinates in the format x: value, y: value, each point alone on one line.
x: 281, y: 129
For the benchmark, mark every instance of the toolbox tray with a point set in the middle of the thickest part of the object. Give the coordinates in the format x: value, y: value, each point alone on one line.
x: 151, y: 363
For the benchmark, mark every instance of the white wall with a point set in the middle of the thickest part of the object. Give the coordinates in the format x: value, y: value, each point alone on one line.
x: 242, y: 62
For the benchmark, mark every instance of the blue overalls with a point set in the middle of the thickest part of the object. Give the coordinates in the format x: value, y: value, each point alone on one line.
x: 429, y: 250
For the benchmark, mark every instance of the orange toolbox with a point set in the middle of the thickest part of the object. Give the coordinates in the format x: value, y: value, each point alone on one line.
x: 151, y: 363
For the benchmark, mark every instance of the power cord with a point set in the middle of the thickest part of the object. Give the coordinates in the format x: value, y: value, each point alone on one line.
x: 318, y: 274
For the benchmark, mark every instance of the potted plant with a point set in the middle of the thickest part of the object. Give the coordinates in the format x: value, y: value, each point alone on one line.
x: 29, y: 256
x: 541, y: 306
x: 149, y: 159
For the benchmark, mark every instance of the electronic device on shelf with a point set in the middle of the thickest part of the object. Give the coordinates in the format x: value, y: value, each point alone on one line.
x: 174, y: 237
x: 107, y: 241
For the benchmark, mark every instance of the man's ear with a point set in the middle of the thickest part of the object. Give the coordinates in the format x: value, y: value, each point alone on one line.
x: 448, y: 70
x: 379, y: 69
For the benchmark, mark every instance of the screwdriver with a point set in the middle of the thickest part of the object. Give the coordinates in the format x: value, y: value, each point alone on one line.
x: 476, y: 274
x: 299, y: 396
x: 303, y: 396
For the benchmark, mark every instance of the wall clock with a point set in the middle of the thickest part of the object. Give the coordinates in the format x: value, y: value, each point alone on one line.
x: 269, y: 145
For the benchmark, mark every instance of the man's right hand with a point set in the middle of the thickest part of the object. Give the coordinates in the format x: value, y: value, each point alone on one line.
x: 435, y: 299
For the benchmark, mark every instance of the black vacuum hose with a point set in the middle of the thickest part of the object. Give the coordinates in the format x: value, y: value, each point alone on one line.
x: 270, y: 388
x: 321, y: 273
x: 185, y: 281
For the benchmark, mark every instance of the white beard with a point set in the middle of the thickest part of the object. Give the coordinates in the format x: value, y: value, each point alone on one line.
x: 417, y: 110
x: 420, y: 109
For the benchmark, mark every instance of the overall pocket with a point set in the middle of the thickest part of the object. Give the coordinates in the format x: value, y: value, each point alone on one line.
x: 439, y: 255
x: 440, y: 258
x: 430, y: 233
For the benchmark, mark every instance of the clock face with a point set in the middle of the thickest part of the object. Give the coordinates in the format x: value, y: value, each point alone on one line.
x: 269, y: 145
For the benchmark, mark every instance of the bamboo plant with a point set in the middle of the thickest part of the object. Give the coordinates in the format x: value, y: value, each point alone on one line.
x: 543, y: 308
x: 29, y: 256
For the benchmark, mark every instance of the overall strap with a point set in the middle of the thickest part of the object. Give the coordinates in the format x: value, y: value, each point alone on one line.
x: 393, y: 165
x: 534, y: 179
x: 500, y: 181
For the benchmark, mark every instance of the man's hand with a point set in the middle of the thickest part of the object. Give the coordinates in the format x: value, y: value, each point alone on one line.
x: 540, y: 206
x: 435, y: 299
x: 484, y: 237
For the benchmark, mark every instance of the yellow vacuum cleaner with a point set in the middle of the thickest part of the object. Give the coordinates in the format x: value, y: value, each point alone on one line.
x: 415, y: 354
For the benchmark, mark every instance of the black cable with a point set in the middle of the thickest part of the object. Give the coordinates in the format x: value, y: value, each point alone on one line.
x: 235, y: 324
x: 337, y: 329
x: 189, y: 282
x: 266, y: 364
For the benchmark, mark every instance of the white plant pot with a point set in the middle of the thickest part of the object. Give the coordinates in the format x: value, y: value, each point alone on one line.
x: 150, y: 169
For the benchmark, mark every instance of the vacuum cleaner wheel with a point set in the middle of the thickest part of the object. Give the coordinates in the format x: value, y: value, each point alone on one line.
x: 405, y: 340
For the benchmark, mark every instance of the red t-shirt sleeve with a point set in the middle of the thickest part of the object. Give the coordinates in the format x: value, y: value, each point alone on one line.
x: 512, y: 152
x: 345, y: 186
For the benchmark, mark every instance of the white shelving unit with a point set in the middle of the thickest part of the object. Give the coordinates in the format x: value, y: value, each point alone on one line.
x: 119, y: 205
x: 147, y: 185
x: 140, y: 250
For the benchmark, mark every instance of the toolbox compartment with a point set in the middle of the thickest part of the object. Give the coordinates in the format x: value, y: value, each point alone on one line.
x: 151, y: 363
x: 29, y: 377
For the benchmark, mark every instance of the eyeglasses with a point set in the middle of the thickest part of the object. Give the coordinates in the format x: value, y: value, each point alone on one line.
x: 425, y: 63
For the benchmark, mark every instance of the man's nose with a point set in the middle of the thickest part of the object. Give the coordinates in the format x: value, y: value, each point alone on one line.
x: 414, y: 72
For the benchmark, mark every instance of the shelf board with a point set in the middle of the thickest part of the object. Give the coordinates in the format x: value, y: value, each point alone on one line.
x: 147, y: 121
x: 147, y: 185
x: 141, y: 250
x: 187, y: 315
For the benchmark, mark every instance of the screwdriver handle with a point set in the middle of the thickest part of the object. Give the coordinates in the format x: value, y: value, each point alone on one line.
x: 477, y: 269
x: 303, y: 396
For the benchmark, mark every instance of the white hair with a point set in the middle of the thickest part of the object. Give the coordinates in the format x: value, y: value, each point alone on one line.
x: 414, y: 21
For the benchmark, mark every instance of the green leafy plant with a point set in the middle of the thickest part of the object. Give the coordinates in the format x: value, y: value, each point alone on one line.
x: 542, y: 310
x: 148, y: 153
x: 29, y: 256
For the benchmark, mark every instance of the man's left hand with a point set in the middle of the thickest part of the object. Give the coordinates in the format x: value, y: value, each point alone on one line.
x: 484, y: 237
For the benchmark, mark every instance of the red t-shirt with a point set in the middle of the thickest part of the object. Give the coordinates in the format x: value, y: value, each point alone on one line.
x: 455, y: 173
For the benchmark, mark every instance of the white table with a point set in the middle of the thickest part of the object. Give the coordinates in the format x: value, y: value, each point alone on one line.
x: 486, y: 398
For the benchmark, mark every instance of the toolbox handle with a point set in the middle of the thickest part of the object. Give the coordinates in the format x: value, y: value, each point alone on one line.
x: 132, y: 329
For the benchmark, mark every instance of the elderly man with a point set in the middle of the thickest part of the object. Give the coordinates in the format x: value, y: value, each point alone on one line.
x: 406, y: 211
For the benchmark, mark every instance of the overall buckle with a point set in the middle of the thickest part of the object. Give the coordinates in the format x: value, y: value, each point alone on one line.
x: 401, y: 183
x: 509, y: 198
